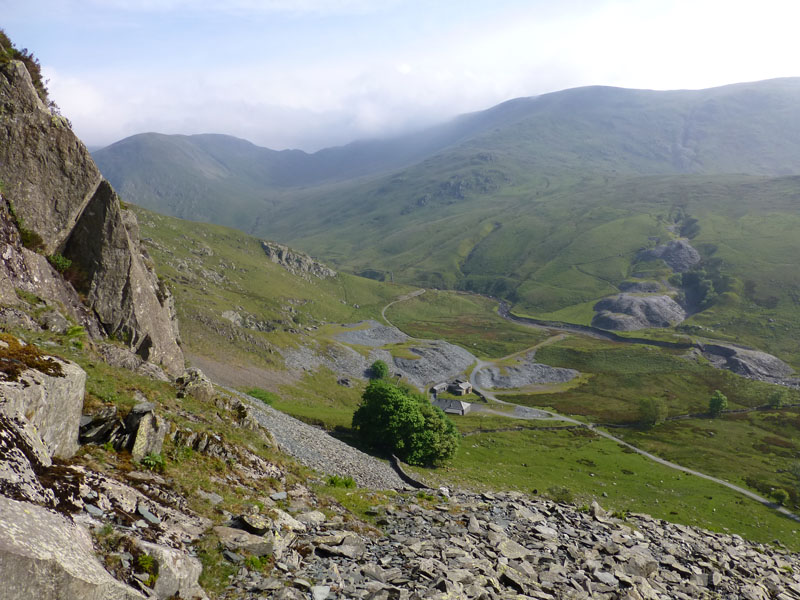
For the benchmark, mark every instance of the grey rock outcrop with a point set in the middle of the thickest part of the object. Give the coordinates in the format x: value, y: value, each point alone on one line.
x: 297, y: 263
x: 118, y: 356
x: 52, y: 404
x: 123, y: 291
x: 142, y: 432
x: 150, y: 431
x: 627, y: 313
x: 679, y: 254
x: 25, y: 270
x: 46, y: 555
x: 194, y: 383
x: 22, y: 454
x: 47, y: 172
x: 58, y: 193
x: 177, y: 573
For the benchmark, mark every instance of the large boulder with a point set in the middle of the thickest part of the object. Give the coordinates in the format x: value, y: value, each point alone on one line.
x: 46, y: 555
x: 22, y: 455
x: 150, y: 431
x: 177, y: 572
x: 51, y: 402
x: 58, y: 193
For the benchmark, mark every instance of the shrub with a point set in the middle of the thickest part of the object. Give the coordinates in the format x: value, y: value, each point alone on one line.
x: 780, y: 495
x: 59, y: 262
x: 148, y: 565
x: 8, y: 53
x: 777, y: 398
x: 153, y: 462
x: 392, y: 419
x: 340, y: 482
x: 560, y: 494
x: 652, y: 412
x: 30, y: 239
x: 257, y: 563
x: 379, y: 370
x: 717, y: 403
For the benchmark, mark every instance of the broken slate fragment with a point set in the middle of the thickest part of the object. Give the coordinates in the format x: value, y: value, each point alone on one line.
x: 148, y: 516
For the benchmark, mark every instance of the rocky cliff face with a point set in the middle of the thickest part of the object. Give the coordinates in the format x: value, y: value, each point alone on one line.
x: 297, y: 263
x: 57, y: 192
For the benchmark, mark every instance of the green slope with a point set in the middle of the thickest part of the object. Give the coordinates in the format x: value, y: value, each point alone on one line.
x: 544, y: 201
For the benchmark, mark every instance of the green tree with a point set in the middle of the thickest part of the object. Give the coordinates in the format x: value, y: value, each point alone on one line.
x: 391, y: 419
x: 780, y: 495
x: 652, y: 412
x: 717, y: 403
x: 777, y: 398
x: 379, y: 370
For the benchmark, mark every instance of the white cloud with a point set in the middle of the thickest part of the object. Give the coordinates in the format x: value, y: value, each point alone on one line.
x: 343, y: 89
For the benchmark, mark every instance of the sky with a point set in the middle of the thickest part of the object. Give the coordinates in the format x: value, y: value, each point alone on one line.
x: 315, y: 73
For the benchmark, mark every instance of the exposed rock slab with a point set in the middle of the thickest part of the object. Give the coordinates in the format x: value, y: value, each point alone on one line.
x: 177, y: 573
x: 47, y: 172
x: 46, y: 555
x: 627, y: 313
x: 122, y: 290
x: 52, y: 404
x: 58, y: 192
x: 30, y: 272
x: 22, y: 454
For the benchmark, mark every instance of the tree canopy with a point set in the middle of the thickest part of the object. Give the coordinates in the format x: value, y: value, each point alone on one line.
x: 717, y: 403
x: 652, y: 412
x: 379, y: 370
x: 393, y: 419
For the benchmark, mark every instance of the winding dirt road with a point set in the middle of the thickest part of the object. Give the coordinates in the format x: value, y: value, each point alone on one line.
x: 524, y: 412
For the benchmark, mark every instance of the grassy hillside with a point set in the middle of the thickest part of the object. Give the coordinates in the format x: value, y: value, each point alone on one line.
x: 213, y: 270
x: 216, y: 273
x: 543, y: 201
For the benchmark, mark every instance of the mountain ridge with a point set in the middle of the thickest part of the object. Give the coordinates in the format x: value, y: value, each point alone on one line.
x: 544, y: 201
